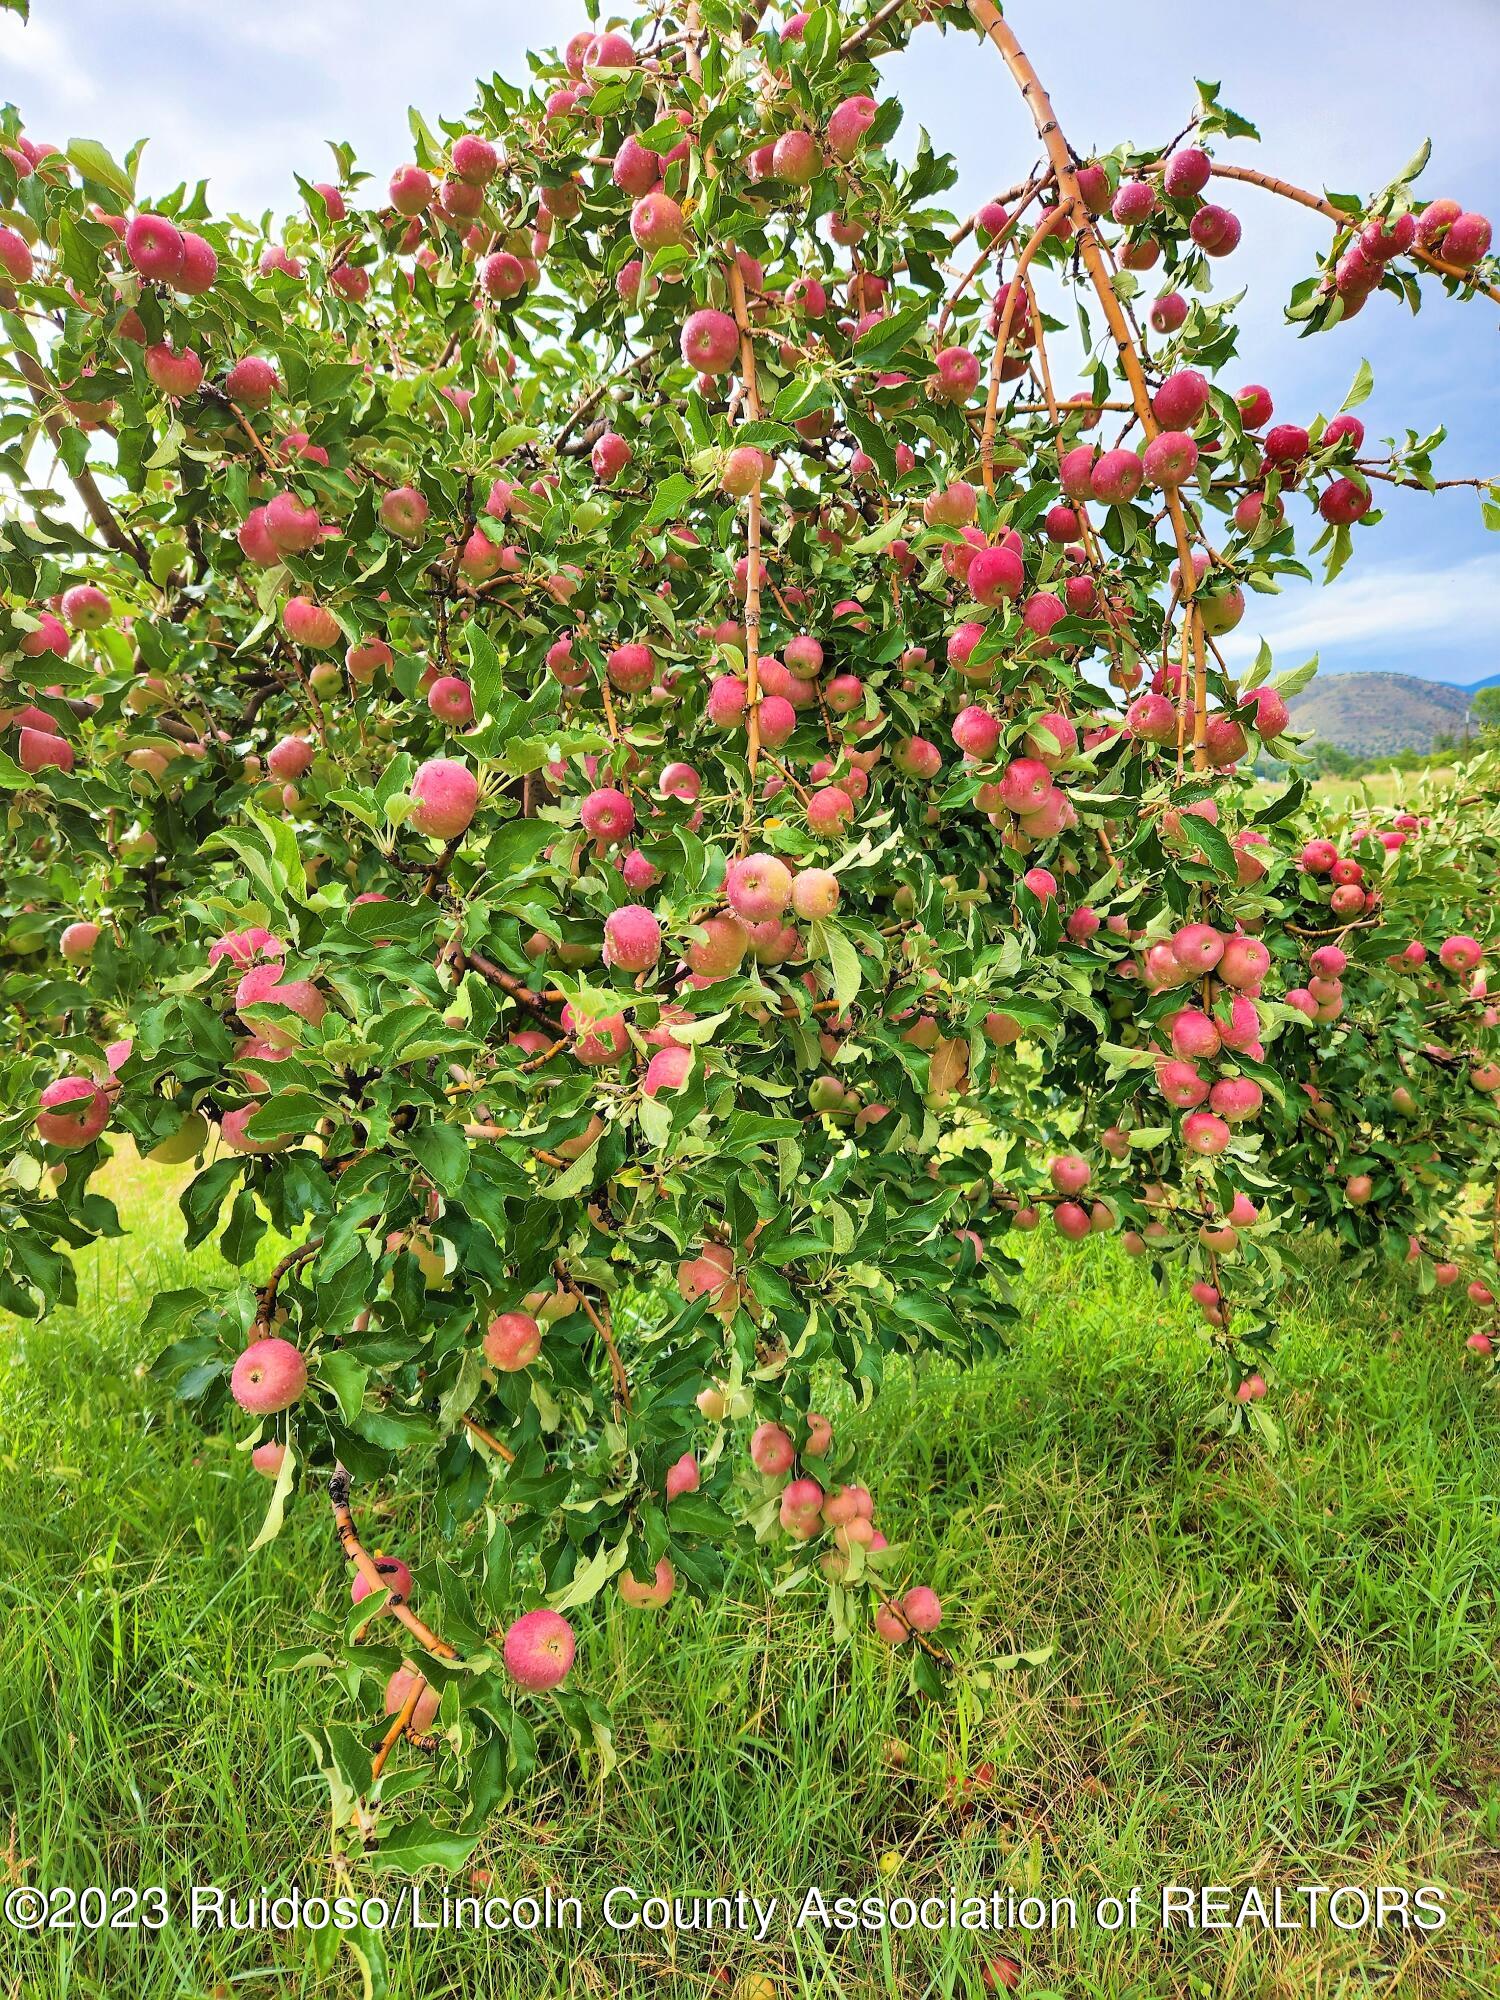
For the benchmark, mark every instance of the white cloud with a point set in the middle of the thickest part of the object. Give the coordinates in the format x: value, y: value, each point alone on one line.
x: 36, y: 50
x: 288, y: 29
x: 241, y: 95
x: 1384, y: 609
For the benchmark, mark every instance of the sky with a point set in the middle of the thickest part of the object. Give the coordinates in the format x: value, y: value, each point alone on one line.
x: 1343, y: 96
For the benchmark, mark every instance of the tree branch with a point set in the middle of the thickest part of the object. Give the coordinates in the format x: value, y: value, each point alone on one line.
x: 852, y: 43
x: 356, y: 1553
x: 99, y: 510
x: 1060, y: 153
x: 1273, y: 184
x: 616, y: 1365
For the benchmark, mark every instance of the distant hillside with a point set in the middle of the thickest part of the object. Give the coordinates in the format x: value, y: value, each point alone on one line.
x: 1373, y: 714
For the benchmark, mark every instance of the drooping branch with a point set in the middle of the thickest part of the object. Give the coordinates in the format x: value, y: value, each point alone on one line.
x: 1425, y: 485
x: 585, y: 409
x: 1016, y: 292
x: 1086, y: 533
x: 693, y: 49
x: 518, y: 990
x: 1289, y: 191
x: 290, y: 1262
x: 752, y: 532
x: 221, y: 401
x: 399, y: 1726
x: 1060, y: 154
x: 992, y: 250
x: 488, y: 1440
x: 601, y: 1327
x: 87, y: 487
x: 357, y: 1554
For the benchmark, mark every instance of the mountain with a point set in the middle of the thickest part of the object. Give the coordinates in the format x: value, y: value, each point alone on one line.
x: 1373, y: 714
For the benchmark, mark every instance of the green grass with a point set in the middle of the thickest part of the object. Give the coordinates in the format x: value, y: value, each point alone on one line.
x: 1276, y: 1669
x: 1380, y: 788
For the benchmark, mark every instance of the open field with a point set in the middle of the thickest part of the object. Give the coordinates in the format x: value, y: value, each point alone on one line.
x: 1269, y: 1668
x: 1379, y: 788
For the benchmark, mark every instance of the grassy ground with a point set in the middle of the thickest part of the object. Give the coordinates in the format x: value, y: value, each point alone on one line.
x: 1380, y: 788
x: 1271, y: 1669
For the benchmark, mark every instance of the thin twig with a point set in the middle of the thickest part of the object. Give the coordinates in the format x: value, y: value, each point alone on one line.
x: 99, y: 510
x: 289, y: 1262
x: 1290, y: 192
x: 852, y: 43
x: 399, y: 1727
x: 489, y: 1440
x: 356, y: 1552
x: 616, y: 1365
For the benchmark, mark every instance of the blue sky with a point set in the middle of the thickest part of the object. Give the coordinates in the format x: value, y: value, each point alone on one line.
x: 1343, y: 96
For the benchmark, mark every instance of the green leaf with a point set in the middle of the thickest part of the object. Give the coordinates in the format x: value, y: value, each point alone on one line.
x: 244, y: 1229
x: 418, y: 1844
x: 1266, y: 1427
x: 697, y: 1514
x: 672, y: 496
x: 466, y: 1385
x: 427, y: 145
x: 1295, y: 679
x: 831, y: 943
x: 1215, y: 844
x: 170, y: 1312
x: 270, y: 1527
x: 1283, y: 805
x: 879, y: 538
x: 888, y: 336
x: 347, y: 1378
x: 575, y: 1179
x: 1037, y: 1656
x: 592, y: 1577
x: 1215, y: 117
x: 655, y: 1120
x: 1415, y: 164
x: 802, y: 396
x: 660, y: 137
x: 95, y: 164
x: 484, y: 671
x: 764, y: 434
x: 444, y: 1153
x: 203, y: 1197
x: 1258, y: 671
x: 1364, y: 382
x: 517, y: 847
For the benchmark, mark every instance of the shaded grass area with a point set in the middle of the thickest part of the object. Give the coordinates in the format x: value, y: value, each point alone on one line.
x: 1246, y: 1668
